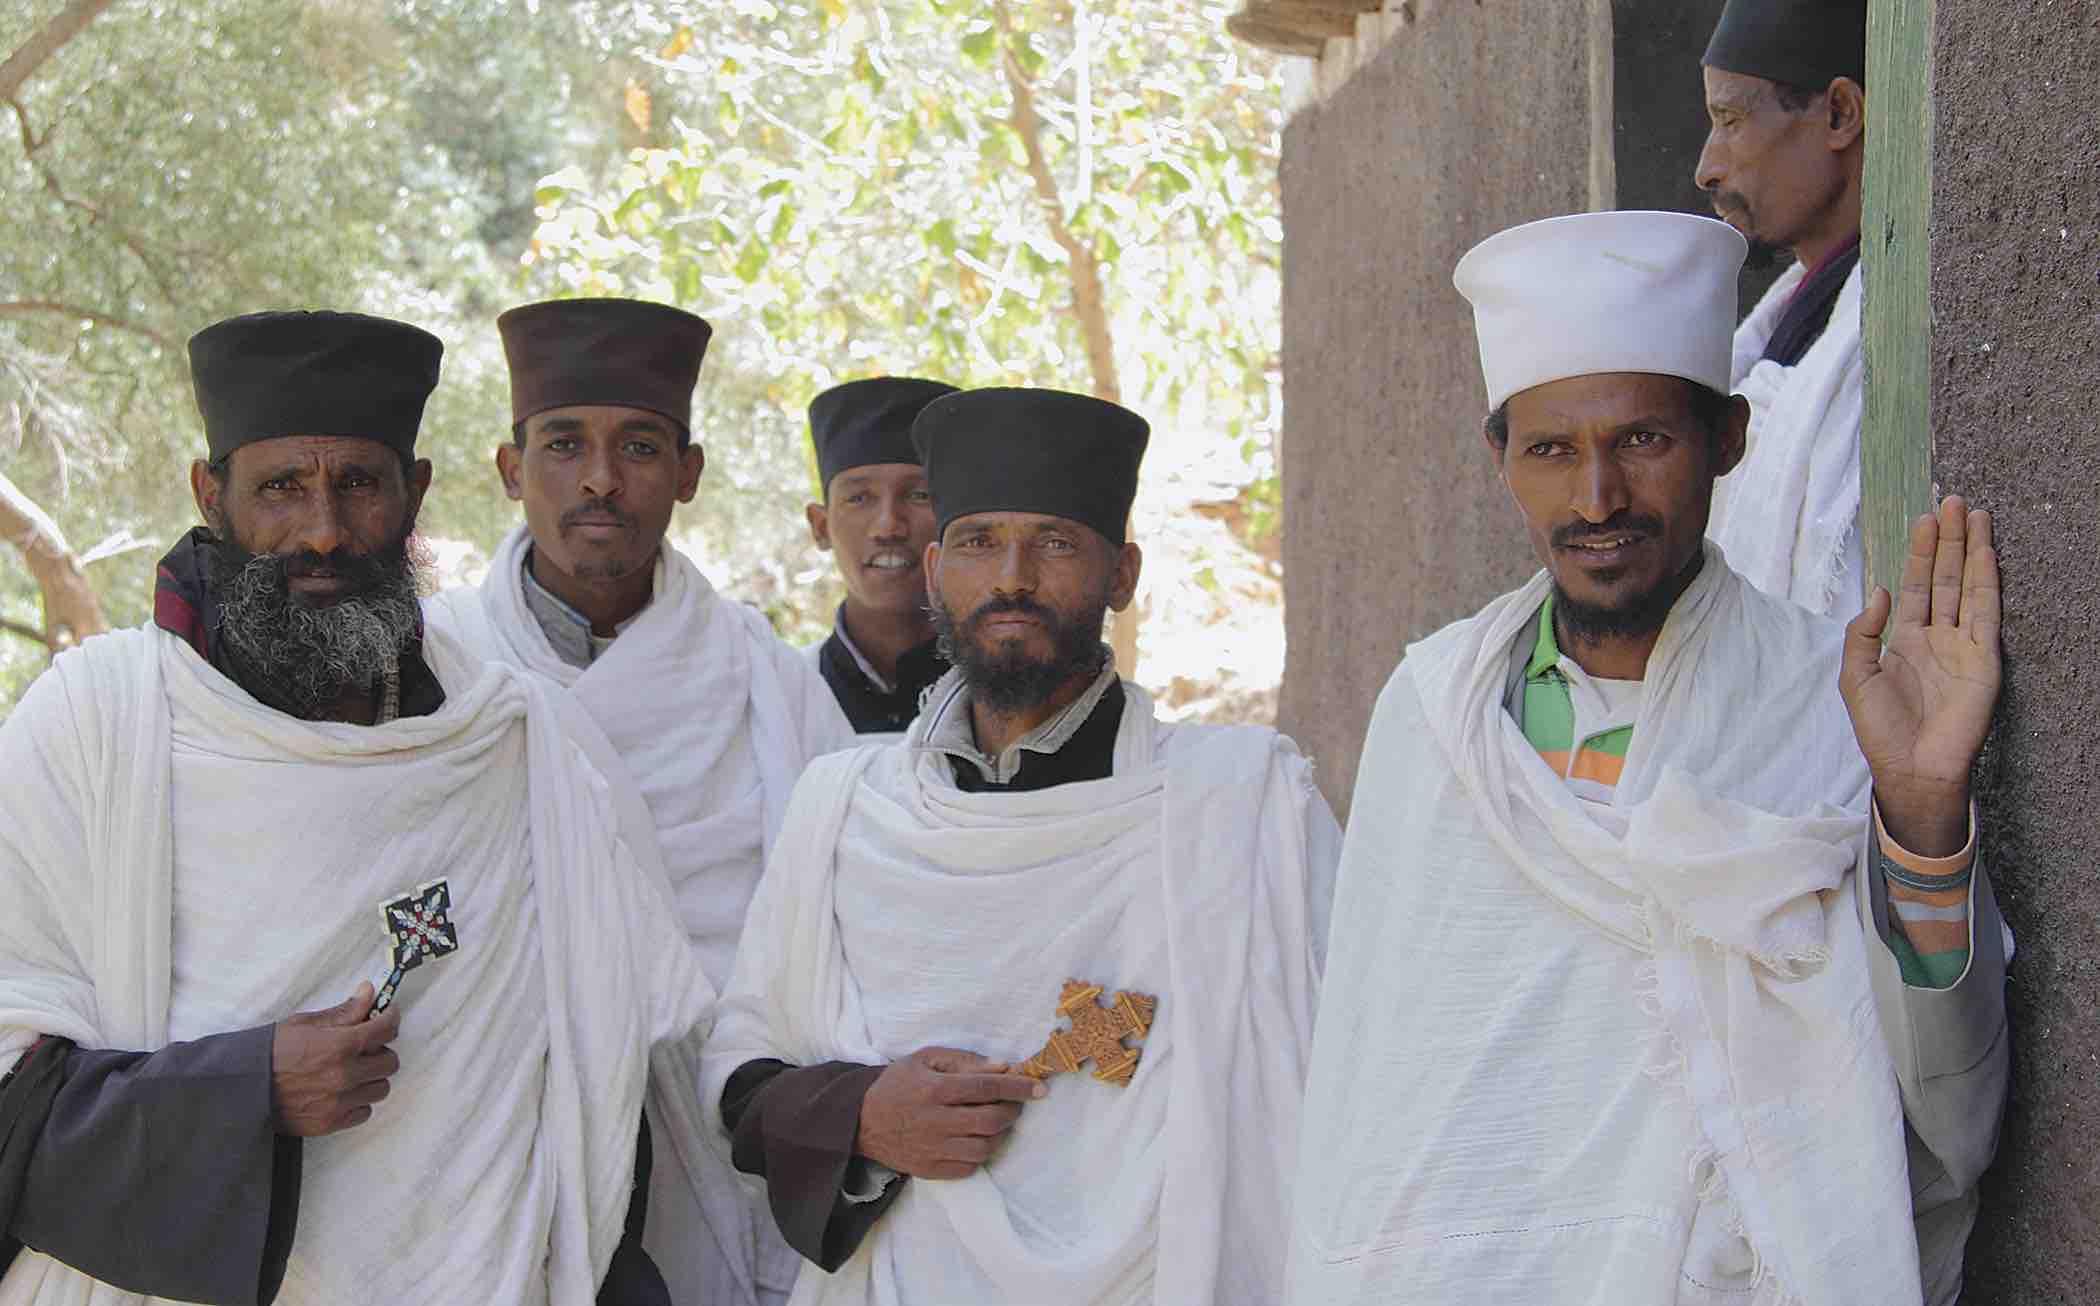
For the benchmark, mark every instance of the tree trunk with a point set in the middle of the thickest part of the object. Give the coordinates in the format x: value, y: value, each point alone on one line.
x: 71, y: 610
x: 1089, y: 296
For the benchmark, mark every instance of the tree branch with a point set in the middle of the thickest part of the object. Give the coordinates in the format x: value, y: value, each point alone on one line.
x: 71, y: 610
x: 25, y: 307
x: 31, y: 143
x: 1089, y: 299
x: 63, y: 27
x: 26, y: 632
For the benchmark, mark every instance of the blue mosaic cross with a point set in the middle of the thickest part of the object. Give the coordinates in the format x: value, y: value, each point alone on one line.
x: 418, y: 927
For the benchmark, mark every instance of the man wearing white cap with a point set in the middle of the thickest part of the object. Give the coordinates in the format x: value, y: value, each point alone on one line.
x: 1619, y: 1007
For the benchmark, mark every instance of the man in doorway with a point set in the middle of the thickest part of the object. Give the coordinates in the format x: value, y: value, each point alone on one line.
x: 876, y: 520
x: 1785, y: 94
x: 713, y: 715
x: 1665, y: 970
x: 201, y: 821
x: 1043, y: 849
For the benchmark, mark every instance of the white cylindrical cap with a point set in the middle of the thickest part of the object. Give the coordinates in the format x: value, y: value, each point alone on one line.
x: 1603, y: 292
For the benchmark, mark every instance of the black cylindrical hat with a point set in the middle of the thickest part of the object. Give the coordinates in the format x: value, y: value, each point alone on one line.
x: 1807, y: 43
x: 1040, y: 451
x: 865, y: 422
x: 265, y: 375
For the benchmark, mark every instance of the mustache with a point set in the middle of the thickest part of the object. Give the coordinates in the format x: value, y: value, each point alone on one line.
x: 1620, y: 523
x: 999, y: 604
x: 1731, y: 201
x: 596, y: 508
x: 365, y: 571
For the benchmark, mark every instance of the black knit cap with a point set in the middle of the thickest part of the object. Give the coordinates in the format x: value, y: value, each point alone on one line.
x: 1806, y: 43
x: 626, y: 353
x: 865, y: 422
x: 1040, y: 451
x: 266, y: 375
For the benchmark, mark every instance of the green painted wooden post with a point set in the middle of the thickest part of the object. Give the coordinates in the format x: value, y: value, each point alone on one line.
x: 1895, y: 443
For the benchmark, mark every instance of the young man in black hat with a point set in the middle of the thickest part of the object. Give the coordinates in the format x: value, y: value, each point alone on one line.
x: 1043, y: 849
x: 201, y: 817
x: 1785, y: 94
x: 876, y: 519
x: 713, y: 714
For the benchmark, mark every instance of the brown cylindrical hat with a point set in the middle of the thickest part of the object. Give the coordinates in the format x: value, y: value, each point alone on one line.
x: 627, y: 353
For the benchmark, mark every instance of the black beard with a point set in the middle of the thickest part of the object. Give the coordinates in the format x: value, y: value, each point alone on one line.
x: 1763, y: 255
x: 1009, y: 681
x: 301, y: 657
x: 1578, y: 622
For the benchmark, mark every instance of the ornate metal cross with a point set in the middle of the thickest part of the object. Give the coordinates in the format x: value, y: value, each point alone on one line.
x: 1097, y: 1034
x: 418, y: 927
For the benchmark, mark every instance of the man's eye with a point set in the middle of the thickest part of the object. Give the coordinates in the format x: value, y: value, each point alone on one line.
x: 856, y: 499
x: 921, y: 496
x: 1543, y: 449
x: 559, y: 444
x: 280, y: 485
x: 641, y: 449
x: 1055, y: 545
x: 1643, y: 439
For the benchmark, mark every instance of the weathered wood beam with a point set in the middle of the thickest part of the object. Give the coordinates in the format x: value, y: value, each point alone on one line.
x: 1895, y: 439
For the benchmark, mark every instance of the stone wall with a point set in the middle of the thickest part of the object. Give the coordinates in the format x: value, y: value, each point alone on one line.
x: 2015, y: 306
x: 1393, y: 520
x: 1466, y: 119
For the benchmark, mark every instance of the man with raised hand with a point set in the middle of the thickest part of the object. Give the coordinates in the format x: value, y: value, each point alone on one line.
x: 1786, y: 99
x: 876, y: 521
x: 1023, y: 1005
x: 713, y: 714
x: 201, y: 821
x: 1665, y: 970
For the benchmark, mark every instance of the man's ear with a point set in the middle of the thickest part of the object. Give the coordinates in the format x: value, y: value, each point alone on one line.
x: 510, y: 466
x: 1846, y: 102
x: 931, y: 565
x: 1734, y: 435
x: 692, y: 460
x: 205, y: 488
x: 418, y: 485
x: 1122, y: 584
x: 819, y: 519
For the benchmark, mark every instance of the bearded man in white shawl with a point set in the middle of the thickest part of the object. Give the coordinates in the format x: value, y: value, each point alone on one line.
x: 712, y: 714
x: 1783, y: 161
x: 1023, y: 1004
x: 216, y: 826
x: 1665, y: 971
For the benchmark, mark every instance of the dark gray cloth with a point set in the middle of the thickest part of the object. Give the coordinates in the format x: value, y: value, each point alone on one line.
x: 795, y: 1128
x: 175, y: 1149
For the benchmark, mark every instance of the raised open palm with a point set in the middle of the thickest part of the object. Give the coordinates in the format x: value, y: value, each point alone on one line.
x: 1921, y: 705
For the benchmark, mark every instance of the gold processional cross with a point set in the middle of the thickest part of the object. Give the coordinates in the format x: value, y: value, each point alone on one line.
x: 1097, y: 1034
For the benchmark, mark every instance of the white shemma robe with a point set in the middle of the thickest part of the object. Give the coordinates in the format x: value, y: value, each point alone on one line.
x: 1627, y: 1057
x: 901, y: 912
x: 183, y: 861
x: 715, y: 718
x: 1787, y: 516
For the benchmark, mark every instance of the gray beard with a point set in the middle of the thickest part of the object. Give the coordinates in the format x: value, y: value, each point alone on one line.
x: 307, y: 657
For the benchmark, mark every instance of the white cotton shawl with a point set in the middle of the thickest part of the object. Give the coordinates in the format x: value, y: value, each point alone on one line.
x: 1786, y: 514
x: 714, y: 718
x: 1474, y: 1137
x: 90, y: 871
x: 901, y: 912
